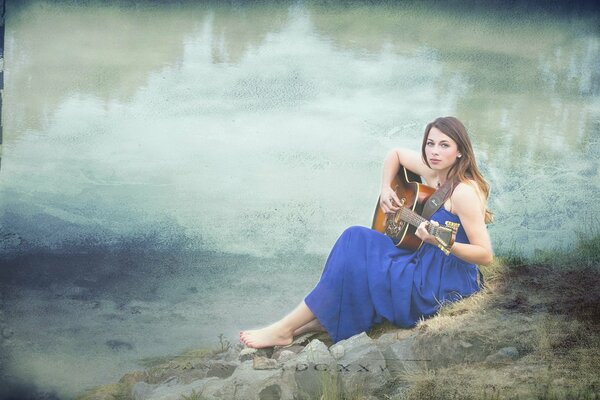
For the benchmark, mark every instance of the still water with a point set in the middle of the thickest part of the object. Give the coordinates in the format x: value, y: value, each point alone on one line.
x: 170, y: 173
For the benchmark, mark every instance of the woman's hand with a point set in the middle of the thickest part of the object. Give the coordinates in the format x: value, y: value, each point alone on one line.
x: 423, y: 234
x: 389, y: 201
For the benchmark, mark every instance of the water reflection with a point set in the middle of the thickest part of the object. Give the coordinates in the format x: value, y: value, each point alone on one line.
x: 108, y: 52
x: 227, y: 131
x: 253, y: 79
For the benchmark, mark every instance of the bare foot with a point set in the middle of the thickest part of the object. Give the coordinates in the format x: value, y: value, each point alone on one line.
x: 312, y: 326
x: 272, y: 335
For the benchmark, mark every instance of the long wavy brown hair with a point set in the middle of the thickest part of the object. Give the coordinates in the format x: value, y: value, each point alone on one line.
x: 465, y: 168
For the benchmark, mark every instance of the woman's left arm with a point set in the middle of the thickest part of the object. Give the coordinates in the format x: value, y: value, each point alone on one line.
x: 466, y: 203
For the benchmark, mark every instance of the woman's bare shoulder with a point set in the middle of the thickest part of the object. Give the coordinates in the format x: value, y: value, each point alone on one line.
x: 465, y: 188
x: 466, y: 195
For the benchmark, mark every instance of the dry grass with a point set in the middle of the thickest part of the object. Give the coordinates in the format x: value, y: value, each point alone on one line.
x: 549, y: 313
x: 537, y: 375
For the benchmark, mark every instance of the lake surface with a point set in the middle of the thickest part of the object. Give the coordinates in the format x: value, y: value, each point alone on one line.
x: 170, y: 173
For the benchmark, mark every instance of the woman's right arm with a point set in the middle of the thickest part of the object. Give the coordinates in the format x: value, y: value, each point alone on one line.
x: 411, y: 160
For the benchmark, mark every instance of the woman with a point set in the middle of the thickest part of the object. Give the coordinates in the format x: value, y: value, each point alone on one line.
x: 367, y: 279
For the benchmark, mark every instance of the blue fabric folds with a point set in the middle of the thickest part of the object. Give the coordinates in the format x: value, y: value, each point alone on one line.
x: 367, y: 279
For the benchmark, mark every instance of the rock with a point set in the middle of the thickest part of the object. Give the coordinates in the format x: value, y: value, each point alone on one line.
x: 362, y: 367
x: 315, y: 353
x: 393, y: 337
x: 400, y: 357
x: 502, y: 356
x: 142, y: 391
x: 293, y: 348
x: 173, y: 391
x: 358, y: 367
x: 170, y: 381
x: 443, y: 350
x: 305, y: 338
x: 249, y: 383
x: 311, y: 379
x: 249, y: 353
x: 285, y: 355
x: 264, y: 363
x: 337, y: 351
x: 219, y: 389
x: 201, y: 365
x: 272, y: 392
x: 510, y: 352
x: 220, y: 369
x: 133, y: 377
x: 313, y: 365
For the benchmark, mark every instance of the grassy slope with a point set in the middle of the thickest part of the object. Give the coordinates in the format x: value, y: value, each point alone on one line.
x: 548, y: 309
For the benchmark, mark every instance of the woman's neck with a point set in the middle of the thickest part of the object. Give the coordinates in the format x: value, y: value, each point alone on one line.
x: 441, y: 178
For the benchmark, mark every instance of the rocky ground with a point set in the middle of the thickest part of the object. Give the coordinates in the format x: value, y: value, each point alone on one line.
x: 533, y: 333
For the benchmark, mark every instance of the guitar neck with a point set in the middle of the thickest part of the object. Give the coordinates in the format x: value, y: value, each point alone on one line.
x: 408, y: 215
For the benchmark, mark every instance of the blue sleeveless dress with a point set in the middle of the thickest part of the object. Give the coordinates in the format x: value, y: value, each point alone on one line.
x: 367, y: 279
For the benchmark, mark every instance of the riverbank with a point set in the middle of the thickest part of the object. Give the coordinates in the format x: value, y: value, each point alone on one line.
x: 532, y: 333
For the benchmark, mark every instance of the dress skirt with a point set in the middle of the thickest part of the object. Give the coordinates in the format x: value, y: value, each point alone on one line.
x: 367, y: 279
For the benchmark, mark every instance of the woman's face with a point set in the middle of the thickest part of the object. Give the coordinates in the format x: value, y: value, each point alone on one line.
x: 440, y: 149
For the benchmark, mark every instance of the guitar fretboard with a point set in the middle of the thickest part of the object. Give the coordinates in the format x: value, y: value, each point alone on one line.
x: 408, y: 215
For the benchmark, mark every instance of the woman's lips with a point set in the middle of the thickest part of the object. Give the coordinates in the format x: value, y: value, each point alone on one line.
x: 434, y: 161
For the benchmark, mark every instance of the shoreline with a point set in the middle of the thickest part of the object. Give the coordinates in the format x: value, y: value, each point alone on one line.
x: 532, y: 332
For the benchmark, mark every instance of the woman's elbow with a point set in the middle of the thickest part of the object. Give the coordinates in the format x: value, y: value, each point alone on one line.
x: 487, y: 258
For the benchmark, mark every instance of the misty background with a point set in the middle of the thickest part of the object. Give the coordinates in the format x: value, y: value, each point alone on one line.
x: 171, y: 173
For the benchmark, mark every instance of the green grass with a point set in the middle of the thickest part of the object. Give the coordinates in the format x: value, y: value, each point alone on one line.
x: 585, y: 253
x: 330, y: 386
x: 192, y: 396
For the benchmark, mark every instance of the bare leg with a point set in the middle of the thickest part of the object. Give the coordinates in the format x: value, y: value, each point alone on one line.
x: 312, y: 326
x: 280, y: 333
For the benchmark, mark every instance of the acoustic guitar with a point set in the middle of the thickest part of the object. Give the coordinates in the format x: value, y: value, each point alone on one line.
x: 401, y: 226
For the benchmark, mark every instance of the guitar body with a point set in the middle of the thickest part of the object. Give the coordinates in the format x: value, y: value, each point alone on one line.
x: 413, y: 194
